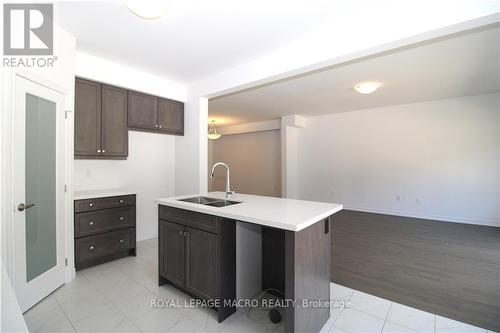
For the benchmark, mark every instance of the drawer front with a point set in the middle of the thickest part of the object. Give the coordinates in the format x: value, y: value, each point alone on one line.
x: 93, y: 247
x: 88, y: 205
x: 189, y: 218
x: 91, y: 223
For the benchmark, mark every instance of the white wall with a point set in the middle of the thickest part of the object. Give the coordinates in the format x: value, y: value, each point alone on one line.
x: 149, y: 169
x: 150, y: 166
x: 440, y: 157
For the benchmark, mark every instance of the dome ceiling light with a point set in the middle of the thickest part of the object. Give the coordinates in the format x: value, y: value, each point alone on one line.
x: 366, y: 88
x: 147, y: 9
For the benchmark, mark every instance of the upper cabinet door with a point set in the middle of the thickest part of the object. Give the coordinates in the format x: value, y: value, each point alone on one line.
x: 142, y: 110
x: 170, y: 116
x: 114, y: 122
x: 87, y: 118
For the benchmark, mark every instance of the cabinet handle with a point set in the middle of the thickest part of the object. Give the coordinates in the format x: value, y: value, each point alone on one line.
x: 91, y: 223
x: 98, y: 150
x: 180, y: 232
x: 159, y: 126
x: 91, y: 204
x: 103, y: 151
x: 121, y: 240
x: 185, y: 233
x: 91, y: 248
x: 156, y: 125
x: 121, y: 200
x: 121, y: 218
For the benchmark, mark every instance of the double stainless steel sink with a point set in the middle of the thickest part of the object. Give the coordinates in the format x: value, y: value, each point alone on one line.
x: 214, y: 202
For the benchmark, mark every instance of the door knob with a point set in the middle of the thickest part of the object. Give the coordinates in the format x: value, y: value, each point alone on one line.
x: 21, y: 207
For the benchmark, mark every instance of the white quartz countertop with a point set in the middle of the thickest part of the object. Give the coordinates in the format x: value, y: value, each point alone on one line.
x: 101, y: 193
x: 287, y: 214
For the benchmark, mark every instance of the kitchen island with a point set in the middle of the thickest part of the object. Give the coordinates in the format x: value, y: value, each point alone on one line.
x: 197, y: 251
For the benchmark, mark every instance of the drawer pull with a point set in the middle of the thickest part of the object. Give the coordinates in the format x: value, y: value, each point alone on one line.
x: 91, y: 224
x: 91, y: 204
x: 121, y: 218
x: 121, y: 200
x: 91, y: 248
x: 121, y: 240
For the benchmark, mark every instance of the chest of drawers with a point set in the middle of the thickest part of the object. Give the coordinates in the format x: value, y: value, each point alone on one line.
x: 104, y: 229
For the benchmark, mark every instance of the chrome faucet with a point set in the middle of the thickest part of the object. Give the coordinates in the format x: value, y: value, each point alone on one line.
x: 229, y: 191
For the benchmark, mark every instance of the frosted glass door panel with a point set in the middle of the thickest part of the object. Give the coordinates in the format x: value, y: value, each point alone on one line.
x: 41, y: 233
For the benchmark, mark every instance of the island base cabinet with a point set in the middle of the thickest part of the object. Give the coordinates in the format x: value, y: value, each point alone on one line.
x: 199, y: 262
x: 197, y: 253
x: 171, y: 246
x: 307, y: 277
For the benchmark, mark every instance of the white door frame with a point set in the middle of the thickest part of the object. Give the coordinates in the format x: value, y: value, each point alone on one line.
x: 7, y: 203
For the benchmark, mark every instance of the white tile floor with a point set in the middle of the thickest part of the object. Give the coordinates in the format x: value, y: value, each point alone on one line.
x: 116, y: 297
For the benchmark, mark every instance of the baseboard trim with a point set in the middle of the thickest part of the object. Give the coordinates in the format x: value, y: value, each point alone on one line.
x: 451, y: 219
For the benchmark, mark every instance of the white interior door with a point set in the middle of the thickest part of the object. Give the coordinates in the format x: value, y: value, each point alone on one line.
x: 38, y: 191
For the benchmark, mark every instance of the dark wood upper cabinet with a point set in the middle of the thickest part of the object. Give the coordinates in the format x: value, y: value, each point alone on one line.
x: 170, y: 117
x: 142, y: 111
x: 114, y: 121
x: 100, y: 121
x: 155, y: 114
x: 104, y: 114
x: 87, y: 118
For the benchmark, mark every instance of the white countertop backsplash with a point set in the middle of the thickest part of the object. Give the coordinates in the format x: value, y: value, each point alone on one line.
x: 281, y: 213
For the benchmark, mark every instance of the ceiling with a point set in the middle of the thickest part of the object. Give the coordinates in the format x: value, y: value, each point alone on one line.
x: 196, y: 38
x: 459, y: 66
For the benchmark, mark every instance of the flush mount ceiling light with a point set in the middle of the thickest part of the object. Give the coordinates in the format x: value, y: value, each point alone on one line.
x: 212, y: 131
x: 147, y: 9
x: 366, y: 87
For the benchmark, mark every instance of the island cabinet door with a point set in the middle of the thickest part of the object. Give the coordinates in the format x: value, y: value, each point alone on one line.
x: 171, y: 244
x: 201, y: 263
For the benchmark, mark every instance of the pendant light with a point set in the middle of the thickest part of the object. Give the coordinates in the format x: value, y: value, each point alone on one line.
x: 212, y: 131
